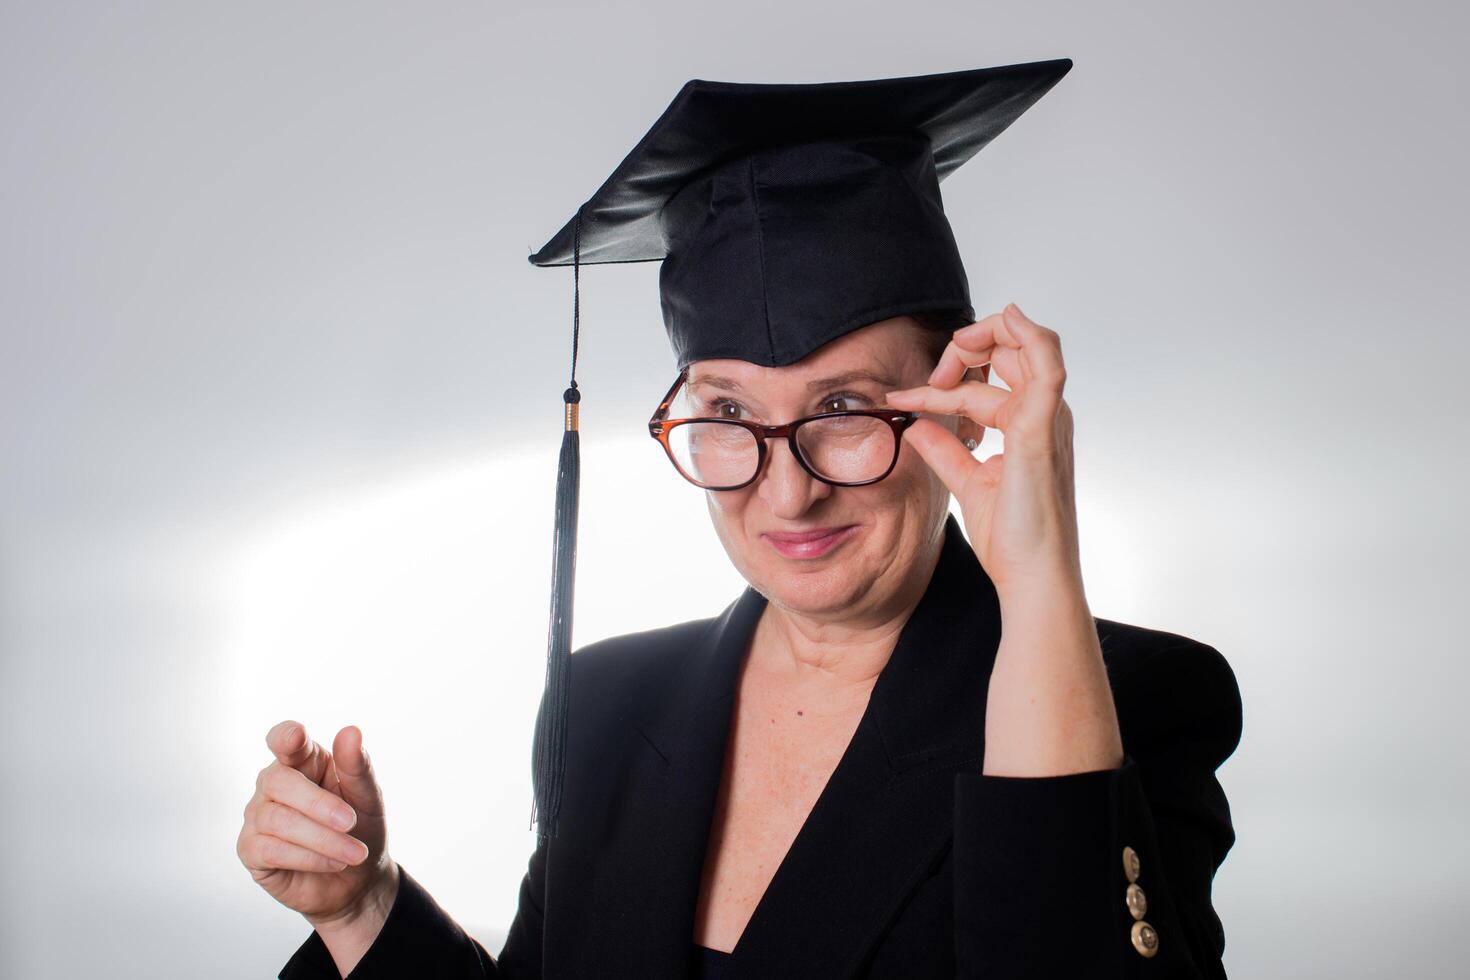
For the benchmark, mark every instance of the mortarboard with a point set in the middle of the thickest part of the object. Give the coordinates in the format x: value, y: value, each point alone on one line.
x: 785, y: 215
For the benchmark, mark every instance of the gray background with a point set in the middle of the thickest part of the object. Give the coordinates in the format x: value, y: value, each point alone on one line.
x: 279, y: 402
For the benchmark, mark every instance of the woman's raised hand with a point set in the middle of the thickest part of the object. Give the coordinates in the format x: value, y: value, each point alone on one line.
x: 1019, y: 507
x: 1049, y: 707
x: 315, y: 836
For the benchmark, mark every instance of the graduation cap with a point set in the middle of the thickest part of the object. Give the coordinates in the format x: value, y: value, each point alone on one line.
x: 785, y: 215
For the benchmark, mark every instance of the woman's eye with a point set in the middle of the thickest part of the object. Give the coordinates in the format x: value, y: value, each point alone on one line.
x: 726, y: 410
x: 843, y: 403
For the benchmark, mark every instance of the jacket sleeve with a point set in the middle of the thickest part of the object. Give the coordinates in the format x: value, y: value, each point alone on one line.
x: 419, y: 939
x: 1041, y: 867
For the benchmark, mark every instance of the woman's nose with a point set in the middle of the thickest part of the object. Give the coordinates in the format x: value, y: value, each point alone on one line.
x: 787, y: 488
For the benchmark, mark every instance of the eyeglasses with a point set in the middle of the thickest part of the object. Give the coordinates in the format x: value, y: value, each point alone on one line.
x: 844, y: 449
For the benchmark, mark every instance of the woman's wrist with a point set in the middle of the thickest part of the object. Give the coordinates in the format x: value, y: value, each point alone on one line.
x: 1052, y: 583
x: 351, y: 933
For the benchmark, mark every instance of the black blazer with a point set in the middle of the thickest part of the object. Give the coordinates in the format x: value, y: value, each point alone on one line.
x: 912, y: 863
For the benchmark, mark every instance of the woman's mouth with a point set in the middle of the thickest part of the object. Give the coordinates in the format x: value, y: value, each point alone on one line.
x: 809, y: 544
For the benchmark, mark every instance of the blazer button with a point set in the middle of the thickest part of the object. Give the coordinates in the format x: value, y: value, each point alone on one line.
x: 1137, y: 901
x: 1130, y: 863
x: 1145, y: 939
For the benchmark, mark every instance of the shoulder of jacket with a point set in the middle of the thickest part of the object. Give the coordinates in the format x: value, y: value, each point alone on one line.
x: 1127, y: 649
x: 633, y: 655
x: 1171, y: 688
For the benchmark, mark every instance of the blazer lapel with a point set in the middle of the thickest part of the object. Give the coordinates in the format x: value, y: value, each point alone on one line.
x: 883, y: 819
x: 648, y: 866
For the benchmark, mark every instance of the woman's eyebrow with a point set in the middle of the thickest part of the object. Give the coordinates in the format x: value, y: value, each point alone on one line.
x: 715, y: 381
x: 848, y: 377
x: 821, y: 384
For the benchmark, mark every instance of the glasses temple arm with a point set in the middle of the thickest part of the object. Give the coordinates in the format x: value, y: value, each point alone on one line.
x: 662, y: 412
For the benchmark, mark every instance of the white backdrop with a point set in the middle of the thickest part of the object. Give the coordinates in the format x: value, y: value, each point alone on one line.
x: 279, y: 404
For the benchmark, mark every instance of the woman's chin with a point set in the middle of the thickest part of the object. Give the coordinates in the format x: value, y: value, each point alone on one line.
x: 814, y: 591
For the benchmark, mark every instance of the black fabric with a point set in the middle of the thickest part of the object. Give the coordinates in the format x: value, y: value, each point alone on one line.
x: 912, y: 864
x: 789, y: 214
x: 418, y: 940
x: 706, y: 963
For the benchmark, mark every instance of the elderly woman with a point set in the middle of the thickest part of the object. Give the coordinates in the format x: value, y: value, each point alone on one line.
x: 908, y: 749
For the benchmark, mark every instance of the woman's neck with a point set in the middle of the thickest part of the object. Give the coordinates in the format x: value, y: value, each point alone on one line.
x: 830, y: 654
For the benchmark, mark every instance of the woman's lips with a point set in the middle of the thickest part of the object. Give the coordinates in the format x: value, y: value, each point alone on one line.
x: 809, y: 544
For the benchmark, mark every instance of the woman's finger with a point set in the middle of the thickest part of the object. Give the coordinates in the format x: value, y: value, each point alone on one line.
x: 277, y: 820
x: 1041, y: 351
x: 291, y: 746
x: 286, y: 785
x: 261, y: 852
x: 945, y: 454
x: 978, y: 400
x: 1006, y: 365
x: 955, y: 363
x: 330, y: 781
x: 1037, y: 375
x: 968, y: 347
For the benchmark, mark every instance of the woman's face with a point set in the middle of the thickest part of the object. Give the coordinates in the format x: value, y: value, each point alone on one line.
x: 878, y: 533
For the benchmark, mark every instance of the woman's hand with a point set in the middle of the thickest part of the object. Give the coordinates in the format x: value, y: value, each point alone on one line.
x: 1049, y: 707
x: 297, y: 845
x: 1019, y: 510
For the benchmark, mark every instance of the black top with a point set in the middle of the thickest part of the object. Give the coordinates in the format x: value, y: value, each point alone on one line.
x: 706, y: 963
x: 913, y: 864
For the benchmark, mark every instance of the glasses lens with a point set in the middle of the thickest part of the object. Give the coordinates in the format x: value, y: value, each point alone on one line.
x: 715, y: 454
x: 848, y: 448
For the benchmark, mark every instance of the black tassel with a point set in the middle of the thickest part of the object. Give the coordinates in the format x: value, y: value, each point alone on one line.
x: 551, y: 721
x: 549, y: 749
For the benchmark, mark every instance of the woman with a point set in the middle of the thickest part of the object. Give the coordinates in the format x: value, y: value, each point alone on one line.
x: 906, y: 750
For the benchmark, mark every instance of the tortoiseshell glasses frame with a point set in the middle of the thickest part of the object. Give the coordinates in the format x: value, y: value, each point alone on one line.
x: 660, y: 426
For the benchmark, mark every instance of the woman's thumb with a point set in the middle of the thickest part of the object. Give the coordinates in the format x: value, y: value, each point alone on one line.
x: 358, y: 781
